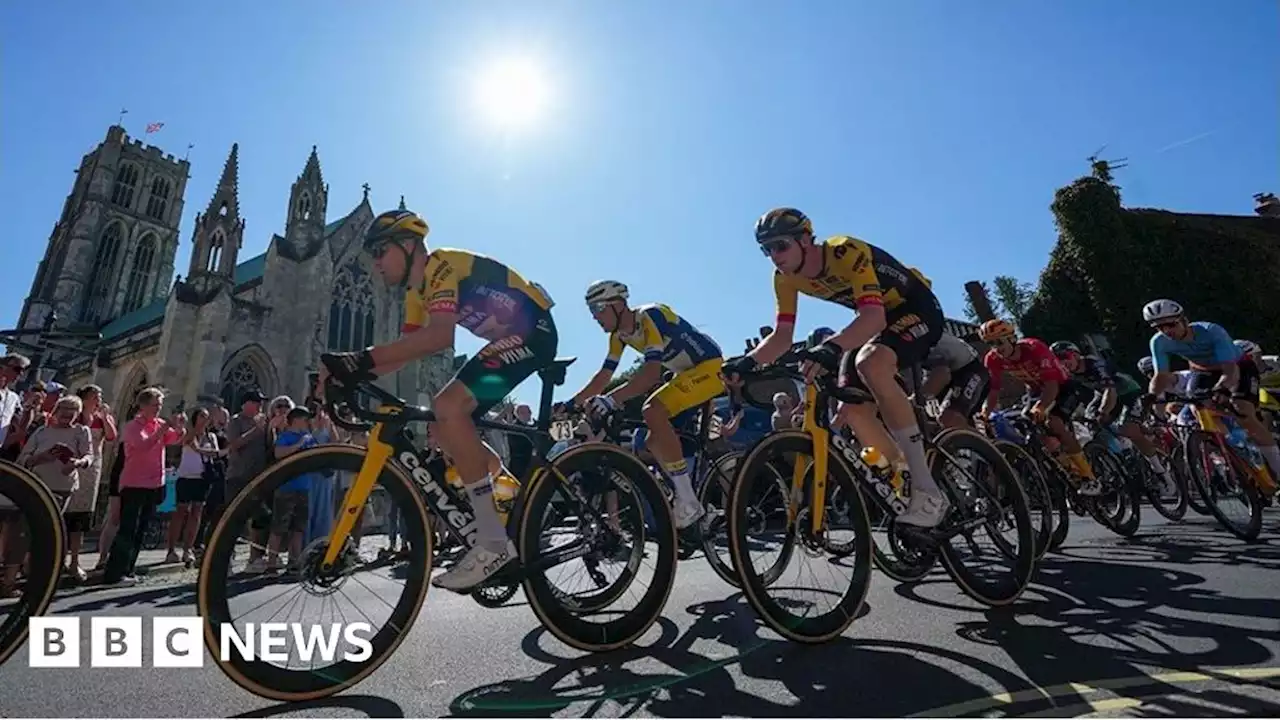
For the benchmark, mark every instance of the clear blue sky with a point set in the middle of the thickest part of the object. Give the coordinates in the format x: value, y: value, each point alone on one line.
x: 937, y: 130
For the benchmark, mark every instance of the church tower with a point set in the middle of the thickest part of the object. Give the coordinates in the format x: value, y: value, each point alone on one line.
x: 112, y: 250
x: 308, y: 200
x: 218, y: 234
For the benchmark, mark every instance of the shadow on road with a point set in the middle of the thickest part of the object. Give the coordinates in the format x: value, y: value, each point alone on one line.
x: 374, y: 707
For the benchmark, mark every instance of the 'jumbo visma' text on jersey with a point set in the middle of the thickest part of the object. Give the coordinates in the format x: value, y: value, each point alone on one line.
x: 1035, y: 366
x: 491, y: 300
x: 1210, y: 344
x: 662, y: 335
x: 853, y: 273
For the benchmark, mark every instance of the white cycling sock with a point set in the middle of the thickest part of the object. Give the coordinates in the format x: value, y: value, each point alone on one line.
x: 911, y: 442
x: 684, y: 487
x: 491, y: 534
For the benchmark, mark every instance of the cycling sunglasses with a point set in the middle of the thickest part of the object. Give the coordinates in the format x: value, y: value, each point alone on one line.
x: 773, y: 246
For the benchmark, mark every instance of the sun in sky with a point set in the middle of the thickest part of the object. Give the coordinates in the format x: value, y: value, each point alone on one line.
x: 512, y: 93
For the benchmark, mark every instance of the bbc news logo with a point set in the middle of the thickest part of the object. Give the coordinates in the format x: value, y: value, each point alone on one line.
x: 177, y: 642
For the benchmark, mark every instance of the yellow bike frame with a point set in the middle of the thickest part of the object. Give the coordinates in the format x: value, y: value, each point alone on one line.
x: 821, y: 449
x: 376, y: 457
x: 1211, y: 421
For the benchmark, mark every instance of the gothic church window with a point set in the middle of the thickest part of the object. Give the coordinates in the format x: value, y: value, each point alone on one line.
x: 158, y: 201
x: 140, y: 276
x: 351, y: 312
x: 239, y: 381
x: 126, y: 183
x: 215, y: 252
x: 304, y: 206
x: 99, y: 289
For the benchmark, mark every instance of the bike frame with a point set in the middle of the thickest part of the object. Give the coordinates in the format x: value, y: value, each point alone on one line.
x: 1210, y: 420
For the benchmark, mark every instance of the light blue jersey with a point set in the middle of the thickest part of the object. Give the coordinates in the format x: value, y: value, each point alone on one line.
x: 1209, y: 344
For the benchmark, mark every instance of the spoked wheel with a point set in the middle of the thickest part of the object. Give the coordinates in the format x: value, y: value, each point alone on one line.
x: 796, y: 612
x: 1221, y: 478
x: 494, y: 595
x: 1195, y: 497
x: 30, y: 526
x: 1168, y: 497
x: 240, y: 581
x: 1039, y: 501
x: 987, y: 499
x: 898, y: 553
x: 1117, y: 507
x: 714, y: 495
x: 584, y: 522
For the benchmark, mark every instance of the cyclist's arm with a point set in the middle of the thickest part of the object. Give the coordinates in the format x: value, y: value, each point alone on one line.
x: 1160, y: 382
x: 597, y: 383
x: 784, y: 328
x: 650, y: 373
x: 1048, y: 395
x: 1162, y: 377
x: 995, y: 369
x: 938, y: 378
x: 1109, y: 398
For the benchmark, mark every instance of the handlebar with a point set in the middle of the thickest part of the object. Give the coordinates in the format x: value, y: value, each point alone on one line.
x: 342, y: 403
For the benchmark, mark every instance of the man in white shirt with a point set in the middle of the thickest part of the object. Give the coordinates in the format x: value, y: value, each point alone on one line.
x: 12, y: 367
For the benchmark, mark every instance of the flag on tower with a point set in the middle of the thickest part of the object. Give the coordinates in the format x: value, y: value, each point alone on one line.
x: 154, y: 127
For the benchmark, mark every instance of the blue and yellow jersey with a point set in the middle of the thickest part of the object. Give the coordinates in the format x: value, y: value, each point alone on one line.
x: 490, y: 299
x: 662, y: 335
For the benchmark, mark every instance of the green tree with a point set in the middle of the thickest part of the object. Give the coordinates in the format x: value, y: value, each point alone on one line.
x: 1013, y: 297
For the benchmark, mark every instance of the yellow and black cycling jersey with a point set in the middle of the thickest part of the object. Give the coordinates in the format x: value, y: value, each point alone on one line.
x: 491, y: 300
x: 662, y: 335
x: 853, y: 273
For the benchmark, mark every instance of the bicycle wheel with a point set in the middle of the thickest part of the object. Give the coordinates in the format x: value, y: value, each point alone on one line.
x: 755, y: 480
x: 1195, y: 498
x: 1117, y: 508
x: 713, y: 495
x: 985, y: 493
x: 1220, y: 480
x: 1039, y: 501
x: 1173, y: 506
x: 494, y: 595
x: 571, y: 615
x: 240, y: 525
x: 30, y: 523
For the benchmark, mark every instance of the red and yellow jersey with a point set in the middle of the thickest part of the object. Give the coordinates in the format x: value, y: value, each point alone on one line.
x: 490, y: 299
x: 1034, y: 364
x: 854, y: 273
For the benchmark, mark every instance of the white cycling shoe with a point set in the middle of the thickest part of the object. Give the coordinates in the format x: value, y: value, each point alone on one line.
x: 926, y: 510
x: 685, y: 514
x: 473, y: 568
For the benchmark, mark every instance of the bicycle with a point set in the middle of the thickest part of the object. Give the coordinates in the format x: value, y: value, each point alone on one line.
x: 1144, y: 477
x: 1225, y: 463
x: 28, y: 511
x: 1043, y: 501
x: 819, y: 455
x: 415, y: 483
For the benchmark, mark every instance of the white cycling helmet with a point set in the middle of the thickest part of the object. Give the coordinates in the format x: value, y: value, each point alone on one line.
x: 1157, y: 310
x: 1249, y: 347
x: 605, y: 291
x: 1147, y: 366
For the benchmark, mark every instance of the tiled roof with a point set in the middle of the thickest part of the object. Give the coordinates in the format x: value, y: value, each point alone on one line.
x: 250, y: 269
x: 144, y: 315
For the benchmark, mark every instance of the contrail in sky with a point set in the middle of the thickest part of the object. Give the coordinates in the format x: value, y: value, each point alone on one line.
x: 1187, y: 141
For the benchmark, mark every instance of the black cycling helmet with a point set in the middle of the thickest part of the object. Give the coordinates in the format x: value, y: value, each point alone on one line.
x: 1062, y: 347
x: 782, y: 221
x: 819, y: 336
x: 394, y: 226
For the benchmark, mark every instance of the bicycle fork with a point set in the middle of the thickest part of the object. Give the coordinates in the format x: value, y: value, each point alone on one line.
x: 357, y: 495
x: 821, y: 448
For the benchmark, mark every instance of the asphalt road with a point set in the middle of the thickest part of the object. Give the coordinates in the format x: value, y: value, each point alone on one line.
x: 1182, y: 620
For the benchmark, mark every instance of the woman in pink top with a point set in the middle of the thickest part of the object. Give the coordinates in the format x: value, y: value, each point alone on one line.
x: 141, y: 482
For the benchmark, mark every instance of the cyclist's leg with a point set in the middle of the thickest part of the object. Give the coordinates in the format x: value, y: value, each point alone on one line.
x: 1059, y: 423
x: 911, y: 330
x: 688, y: 389
x: 1244, y: 397
x: 480, y: 384
x: 965, y: 393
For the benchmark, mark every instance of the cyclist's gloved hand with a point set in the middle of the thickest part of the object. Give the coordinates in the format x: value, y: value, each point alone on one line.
x: 733, y: 368
x: 600, y: 405
x: 349, y: 368
x: 826, y: 355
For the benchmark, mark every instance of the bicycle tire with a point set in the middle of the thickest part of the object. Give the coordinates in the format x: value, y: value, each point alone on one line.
x: 496, y: 595
x: 803, y: 630
x: 1024, y: 561
x: 36, y: 504
x: 270, y: 681
x: 1039, y: 499
x: 1250, y: 531
x: 1178, y: 510
x: 563, y: 622
x: 1124, y: 522
x: 1195, y: 501
x: 722, y: 468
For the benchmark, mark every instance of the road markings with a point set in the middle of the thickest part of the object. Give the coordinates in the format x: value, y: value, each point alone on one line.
x: 1051, y: 693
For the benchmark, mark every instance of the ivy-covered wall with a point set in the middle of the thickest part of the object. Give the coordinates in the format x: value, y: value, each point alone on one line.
x: 1110, y: 261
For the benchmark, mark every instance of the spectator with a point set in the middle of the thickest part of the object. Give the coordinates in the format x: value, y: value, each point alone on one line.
x: 217, y: 475
x: 246, y: 453
x: 141, y: 481
x: 95, y: 415
x: 783, y: 411
x: 111, y: 523
x: 11, y: 368
x: 278, y: 422
x: 29, y: 417
x: 289, y: 507
x: 320, y: 498
x: 57, y: 451
x: 199, y: 449
x: 520, y: 447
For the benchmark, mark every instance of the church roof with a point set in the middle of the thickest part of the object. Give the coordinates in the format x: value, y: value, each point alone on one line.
x: 129, y: 322
x: 250, y: 269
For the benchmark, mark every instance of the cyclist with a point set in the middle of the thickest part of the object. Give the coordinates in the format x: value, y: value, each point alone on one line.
x: 1216, y: 359
x: 954, y: 370
x: 446, y: 289
x: 898, y: 320
x: 1057, y: 397
x: 669, y: 342
x: 1117, y: 397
